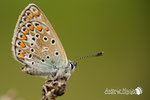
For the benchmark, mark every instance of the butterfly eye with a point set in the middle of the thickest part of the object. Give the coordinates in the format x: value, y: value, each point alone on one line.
x: 53, y: 41
x: 72, y: 66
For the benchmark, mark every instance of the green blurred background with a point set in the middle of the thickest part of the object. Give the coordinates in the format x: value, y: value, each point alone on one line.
x: 120, y: 28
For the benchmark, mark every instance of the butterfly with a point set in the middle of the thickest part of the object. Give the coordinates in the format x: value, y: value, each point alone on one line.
x: 36, y: 45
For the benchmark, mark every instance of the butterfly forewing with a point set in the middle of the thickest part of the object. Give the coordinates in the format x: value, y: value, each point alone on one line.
x: 35, y: 42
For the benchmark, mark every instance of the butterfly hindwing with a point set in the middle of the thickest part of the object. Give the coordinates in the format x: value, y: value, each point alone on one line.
x: 35, y: 42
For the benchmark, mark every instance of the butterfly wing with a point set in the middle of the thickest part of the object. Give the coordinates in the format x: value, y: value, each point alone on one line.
x: 35, y: 42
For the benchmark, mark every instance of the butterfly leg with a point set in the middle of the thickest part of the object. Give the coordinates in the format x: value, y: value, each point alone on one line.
x: 61, y: 73
x: 68, y: 76
x: 50, y: 77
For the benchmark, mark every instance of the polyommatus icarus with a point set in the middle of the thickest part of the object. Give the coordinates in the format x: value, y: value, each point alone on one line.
x: 36, y: 45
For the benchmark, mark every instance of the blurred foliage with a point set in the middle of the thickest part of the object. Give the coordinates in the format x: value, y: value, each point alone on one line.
x: 10, y: 95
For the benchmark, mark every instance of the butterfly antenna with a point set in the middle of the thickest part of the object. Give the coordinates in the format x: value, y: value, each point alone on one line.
x: 93, y: 55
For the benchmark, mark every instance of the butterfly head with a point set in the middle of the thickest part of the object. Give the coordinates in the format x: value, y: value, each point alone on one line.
x: 72, y: 66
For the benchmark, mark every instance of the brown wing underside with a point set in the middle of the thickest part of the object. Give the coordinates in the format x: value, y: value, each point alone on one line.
x: 35, y: 39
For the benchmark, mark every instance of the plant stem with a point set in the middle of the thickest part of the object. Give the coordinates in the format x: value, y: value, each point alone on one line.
x: 54, y: 88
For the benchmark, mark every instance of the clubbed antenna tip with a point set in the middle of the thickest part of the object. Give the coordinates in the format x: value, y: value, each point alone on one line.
x: 100, y: 54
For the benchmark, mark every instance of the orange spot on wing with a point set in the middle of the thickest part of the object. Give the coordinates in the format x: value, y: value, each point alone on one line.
x: 31, y: 16
x: 23, y: 52
x: 27, y: 19
x: 26, y: 32
x: 39, y: 28
x: 22, y: 58
x: 21, y: 55
x: 24, y: 37
x: 46, y: 29
x: 37, y: 13
x: 22, y: 45
x: 31, y: 28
